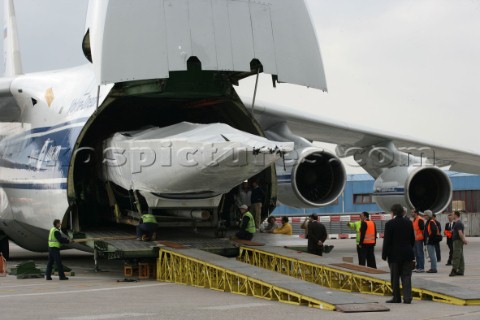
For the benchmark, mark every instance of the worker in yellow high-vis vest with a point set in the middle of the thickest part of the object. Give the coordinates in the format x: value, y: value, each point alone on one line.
x: 362, y: 258
x: 247, y: 226
x: 147, y: 228
x: 55, y: 241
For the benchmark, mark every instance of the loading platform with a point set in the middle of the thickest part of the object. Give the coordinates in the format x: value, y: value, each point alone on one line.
x: 207, y: 270
x: 116, y: 244
x: 348, y: 277
x: 274, y: 257
x: 126, y: 247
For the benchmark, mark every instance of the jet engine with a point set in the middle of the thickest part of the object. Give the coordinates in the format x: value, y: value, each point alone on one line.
x: 311, y: 179
x: 422, y: 188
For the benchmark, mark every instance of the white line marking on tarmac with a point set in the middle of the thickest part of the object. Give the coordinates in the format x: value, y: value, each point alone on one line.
x: 23, y: 285
x: 238, y: 306
x: 79, y: 291
x: 109, y: 316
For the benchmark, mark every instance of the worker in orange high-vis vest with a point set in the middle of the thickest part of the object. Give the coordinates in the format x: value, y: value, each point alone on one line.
x: 368, y: 239
x: 418, y: 227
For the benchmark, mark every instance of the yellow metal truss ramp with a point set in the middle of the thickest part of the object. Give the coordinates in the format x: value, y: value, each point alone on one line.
x: 207, y: 270
x: 308, y: 267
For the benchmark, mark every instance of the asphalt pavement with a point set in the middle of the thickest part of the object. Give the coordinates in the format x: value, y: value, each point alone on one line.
x: 91, y: 295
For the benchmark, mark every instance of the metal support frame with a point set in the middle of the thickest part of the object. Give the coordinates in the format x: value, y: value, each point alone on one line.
x: 331, y: 277
x: 316, y: 273
x: 178, y: 268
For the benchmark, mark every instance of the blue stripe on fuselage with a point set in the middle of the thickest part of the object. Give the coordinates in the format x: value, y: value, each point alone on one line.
x: 43, y: 129
x: 35, y: 186
x: 41, y: 150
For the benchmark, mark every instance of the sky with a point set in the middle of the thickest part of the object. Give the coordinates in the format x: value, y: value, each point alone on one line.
x: 403, y: 66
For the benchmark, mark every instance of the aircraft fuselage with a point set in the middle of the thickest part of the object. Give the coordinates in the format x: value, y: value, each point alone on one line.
x: 51, y: 167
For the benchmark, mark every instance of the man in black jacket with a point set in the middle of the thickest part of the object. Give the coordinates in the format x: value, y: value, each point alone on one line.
x: 398, y: 243
x: 317, y: 234
x: 439, y: 238
x: 257, y: 199
x: 448, y: 233
x: 430, y: 235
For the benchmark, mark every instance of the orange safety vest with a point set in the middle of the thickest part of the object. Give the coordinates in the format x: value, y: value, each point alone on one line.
x: 448, y: 233
x: 416, y: 228
x: 369, y: 233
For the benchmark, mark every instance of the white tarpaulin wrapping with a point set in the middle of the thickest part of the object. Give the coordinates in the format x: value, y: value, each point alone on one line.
x: 188, y: 158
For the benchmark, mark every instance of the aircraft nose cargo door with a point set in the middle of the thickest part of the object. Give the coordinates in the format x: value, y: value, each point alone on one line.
x: 147, y: 39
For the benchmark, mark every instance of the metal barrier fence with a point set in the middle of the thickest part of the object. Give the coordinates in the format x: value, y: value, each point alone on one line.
x: 337, y: 227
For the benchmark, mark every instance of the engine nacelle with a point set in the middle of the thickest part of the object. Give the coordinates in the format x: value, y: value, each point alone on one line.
x: 311, y: 179
x: 422, y: 188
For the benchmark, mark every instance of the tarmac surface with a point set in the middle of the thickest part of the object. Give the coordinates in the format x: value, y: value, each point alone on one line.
x: 91, y: 295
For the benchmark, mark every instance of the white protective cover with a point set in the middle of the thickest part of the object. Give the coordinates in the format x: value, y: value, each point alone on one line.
x: 188, y: 158
x: 146, y: 39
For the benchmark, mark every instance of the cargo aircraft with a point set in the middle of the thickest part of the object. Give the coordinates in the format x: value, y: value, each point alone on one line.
x: 152, y: 122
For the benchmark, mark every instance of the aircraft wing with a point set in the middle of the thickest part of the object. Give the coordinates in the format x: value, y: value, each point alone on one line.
x: 348, y: 135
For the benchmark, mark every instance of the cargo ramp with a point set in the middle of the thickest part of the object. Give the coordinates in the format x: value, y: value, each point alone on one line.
x: 201, y: 262
x: 348, y: 277
x: 207, y: 270
x: 275, y: 257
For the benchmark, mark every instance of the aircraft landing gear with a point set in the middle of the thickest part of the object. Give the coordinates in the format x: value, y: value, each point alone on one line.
x: 95, y: 258
x: 221, y: 229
